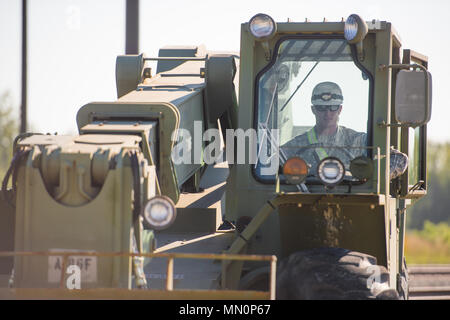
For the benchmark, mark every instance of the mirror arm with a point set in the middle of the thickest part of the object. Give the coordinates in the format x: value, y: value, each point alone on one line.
x: 402, y: 66
x: 384, y: 124
x: 407, y: 66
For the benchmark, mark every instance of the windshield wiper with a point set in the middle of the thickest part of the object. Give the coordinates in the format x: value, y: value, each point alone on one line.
x: 298, y: 87
x: 282, y: 156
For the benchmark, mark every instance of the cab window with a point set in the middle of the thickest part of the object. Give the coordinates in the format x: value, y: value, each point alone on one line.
x: 312, y: 101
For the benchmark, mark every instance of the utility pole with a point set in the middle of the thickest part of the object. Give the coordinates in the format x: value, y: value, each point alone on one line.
x: 23, y: 107
x: 132, y: 27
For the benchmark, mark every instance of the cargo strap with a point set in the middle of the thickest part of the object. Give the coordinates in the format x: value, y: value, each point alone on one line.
x: 312, y: 139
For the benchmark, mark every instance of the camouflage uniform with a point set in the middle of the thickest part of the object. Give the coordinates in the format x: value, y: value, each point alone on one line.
x: 344, y: 137
x: 346, y: 144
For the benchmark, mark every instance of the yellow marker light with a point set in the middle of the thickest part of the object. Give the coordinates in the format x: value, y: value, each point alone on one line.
x: 295, y: 170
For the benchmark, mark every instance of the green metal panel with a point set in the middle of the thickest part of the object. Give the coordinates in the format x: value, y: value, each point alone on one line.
x: 368, y: 230
x: 146, y: 111
x: 176, y: 51
x: 175, y: 100
x: 362, y: 218
x: 354, y: 227
x: 128, y: 73
x: 102, y: 225
x: 382, y: 106
x: 310, y: 27
x: 190, y: 112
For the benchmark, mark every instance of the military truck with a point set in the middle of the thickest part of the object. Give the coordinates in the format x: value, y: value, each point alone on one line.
x: 200, y: 163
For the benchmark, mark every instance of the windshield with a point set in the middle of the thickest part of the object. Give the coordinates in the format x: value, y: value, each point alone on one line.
x: 312, y: 102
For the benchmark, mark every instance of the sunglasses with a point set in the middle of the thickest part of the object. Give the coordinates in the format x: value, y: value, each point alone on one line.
x: 325, y: 108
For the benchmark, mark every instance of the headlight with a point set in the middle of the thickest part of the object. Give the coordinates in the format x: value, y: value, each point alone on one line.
x: 262, y: 26
x: 160, y: 212
x: 295, y: 170
x: 361, y: 168
x: 331, y: 171
x: 351, y: 28
x: 355, y: 29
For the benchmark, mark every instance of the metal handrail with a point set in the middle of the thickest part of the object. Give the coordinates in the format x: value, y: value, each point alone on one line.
x: 170, y: 257
x: 176, y: 59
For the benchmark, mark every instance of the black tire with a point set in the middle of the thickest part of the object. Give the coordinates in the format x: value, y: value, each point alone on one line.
x: 332, y: 274
x: 257, y: 279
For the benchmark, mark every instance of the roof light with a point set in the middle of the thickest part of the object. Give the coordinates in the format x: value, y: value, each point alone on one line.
x: 355, y: 29
x: 262, y: 26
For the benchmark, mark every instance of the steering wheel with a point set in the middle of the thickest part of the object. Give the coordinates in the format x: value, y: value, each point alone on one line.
x: 313, y: 161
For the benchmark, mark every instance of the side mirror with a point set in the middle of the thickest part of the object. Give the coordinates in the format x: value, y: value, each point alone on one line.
x: 413, y: 97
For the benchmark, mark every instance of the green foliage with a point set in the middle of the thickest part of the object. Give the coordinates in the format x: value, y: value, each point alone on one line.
x: 430, y: 245
x: 8, y: 131
x: 437, y: 233
x: 435, y: 206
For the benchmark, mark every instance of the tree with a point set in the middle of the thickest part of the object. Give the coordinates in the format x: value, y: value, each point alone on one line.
x: 435, y: 205
x: 8, y: 131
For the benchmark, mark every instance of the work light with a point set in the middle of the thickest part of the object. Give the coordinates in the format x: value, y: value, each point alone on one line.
x: 159, y: 212
x: 331, y: 171
x: 361, y: 168
x: 355, y: 29
x: 262, y: 26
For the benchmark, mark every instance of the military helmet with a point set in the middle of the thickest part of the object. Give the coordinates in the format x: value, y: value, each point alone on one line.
x: 327, y: 93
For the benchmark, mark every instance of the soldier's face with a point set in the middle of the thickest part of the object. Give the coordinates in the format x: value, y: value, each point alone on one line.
x: 325, y: 116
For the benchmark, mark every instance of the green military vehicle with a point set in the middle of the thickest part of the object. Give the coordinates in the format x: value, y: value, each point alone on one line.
x: 283, y: 172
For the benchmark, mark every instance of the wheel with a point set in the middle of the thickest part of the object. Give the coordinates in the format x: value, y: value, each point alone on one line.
x: 332, y: 274
x: 257, y: 279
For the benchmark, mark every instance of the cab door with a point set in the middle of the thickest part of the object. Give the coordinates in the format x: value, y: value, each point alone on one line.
x: 413, y: 142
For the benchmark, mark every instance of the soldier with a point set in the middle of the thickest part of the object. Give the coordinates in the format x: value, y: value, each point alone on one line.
x: 326, y: 102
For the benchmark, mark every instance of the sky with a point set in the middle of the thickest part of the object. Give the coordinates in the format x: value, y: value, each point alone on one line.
x: 73, y: 44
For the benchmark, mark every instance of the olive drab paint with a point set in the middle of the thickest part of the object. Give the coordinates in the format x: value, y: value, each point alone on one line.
x: 85, y: 194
